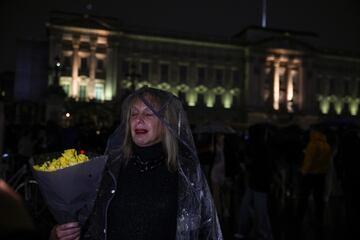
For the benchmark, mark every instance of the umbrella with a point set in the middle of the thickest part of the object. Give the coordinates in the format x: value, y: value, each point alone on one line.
x: 214, y: 127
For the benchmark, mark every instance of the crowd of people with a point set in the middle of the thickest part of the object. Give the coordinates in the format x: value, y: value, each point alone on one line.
x: 288, y: 182
x: 261, y: 182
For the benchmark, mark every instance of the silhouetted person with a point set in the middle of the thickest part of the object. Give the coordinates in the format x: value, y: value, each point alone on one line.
x: 317, y: 158
x: 234, y: 148
x: 217, y: 174
x: 255, y: 200
x: 348, y: 165
x: 53, y: 137
x: 25, y: 147
x: 205, y: 148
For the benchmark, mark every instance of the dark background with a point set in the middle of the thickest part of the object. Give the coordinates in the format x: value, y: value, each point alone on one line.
x: 335, y: 22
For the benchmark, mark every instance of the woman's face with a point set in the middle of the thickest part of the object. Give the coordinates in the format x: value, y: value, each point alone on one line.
x: 146, y: 128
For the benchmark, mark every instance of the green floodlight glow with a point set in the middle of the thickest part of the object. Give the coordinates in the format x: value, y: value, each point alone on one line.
x: 338, y: 105
x: 354, y: 106
x: 191, y: 94
x: 126, y: 84
x: 324, y: 104
x: 164, y: 86
x: 191, y: 98
x: 227, y: 100
x: 144, y: 83
x: 324, y: 107
x: 353, y: 109
x: 209, y: 100
x: 108, y: 93
x: 182, y: 87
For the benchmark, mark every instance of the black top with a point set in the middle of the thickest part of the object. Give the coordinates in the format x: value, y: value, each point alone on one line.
x: 145, y: 203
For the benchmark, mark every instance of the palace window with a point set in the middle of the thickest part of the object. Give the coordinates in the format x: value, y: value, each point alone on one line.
x: 164, y: 72
x: 201, y: 75
x: 100, y: 65
x: 125, y: 68
x: 219, y: 77
x: 100, y: 69
x: 183, y: 73
x: 145, y: 71
x: 99, y: 92
x: 346, y: 87
x: 236, y: 77
x: 67, y: 65
x: 84, y: 70
x: 66, y: 88
x: 82, y: 92
x: 331, y: 86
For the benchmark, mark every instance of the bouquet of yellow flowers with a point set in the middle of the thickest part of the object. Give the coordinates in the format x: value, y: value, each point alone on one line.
x: 67, y: 159
x: 68, y: 182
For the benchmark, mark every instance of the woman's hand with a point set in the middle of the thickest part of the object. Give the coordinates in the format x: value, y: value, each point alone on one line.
x: 67, y: 231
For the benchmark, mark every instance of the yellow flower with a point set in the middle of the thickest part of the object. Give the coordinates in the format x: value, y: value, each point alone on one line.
x: 68, y: 158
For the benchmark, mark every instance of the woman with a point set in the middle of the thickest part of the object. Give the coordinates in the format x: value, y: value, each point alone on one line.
x: 316, y: 163
x: 153, y: 186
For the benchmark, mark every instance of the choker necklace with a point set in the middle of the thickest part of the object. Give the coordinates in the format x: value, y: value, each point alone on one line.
x: 144, y: 166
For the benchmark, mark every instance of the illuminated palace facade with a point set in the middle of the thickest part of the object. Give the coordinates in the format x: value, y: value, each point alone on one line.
x: 258, y: 75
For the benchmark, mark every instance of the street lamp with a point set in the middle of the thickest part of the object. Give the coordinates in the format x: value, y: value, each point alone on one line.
x: 57, y: 71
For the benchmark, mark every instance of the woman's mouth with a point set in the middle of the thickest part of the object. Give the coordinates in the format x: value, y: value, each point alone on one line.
x: 141, y: 131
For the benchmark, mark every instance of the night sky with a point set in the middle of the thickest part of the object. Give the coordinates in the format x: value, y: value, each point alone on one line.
x: 335, y: 22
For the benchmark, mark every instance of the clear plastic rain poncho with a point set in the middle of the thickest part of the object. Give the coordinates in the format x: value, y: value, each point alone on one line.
x: 196, y: 217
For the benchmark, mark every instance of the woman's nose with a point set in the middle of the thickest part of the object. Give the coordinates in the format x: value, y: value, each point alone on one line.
x: 140, y: 118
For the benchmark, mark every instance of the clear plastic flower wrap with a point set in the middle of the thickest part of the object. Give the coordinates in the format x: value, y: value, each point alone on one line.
x: 68, y: 182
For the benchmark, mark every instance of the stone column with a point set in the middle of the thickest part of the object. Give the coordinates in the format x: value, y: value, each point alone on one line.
x: 111, y: 81
x: 300, y: 84
x: 92, y: 69
x: 290, y: 90
x: 75, y: 69
x: 276, y: 89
